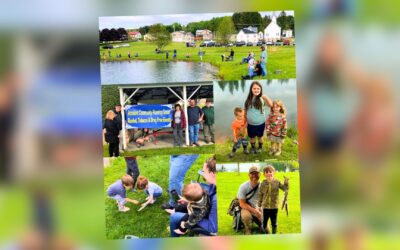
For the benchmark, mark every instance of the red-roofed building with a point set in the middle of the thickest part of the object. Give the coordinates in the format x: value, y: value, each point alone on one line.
x: 134, y: 35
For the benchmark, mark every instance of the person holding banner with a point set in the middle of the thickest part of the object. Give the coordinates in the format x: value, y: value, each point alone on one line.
x: 195, y: 116
x: 178, y: 124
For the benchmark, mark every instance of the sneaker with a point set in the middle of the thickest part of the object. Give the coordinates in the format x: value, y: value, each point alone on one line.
x: 197, y: 144
x: 271, y: 151
x: 231, y: 155
x: 124, y: 209
x: 253, y: 151
x: 206, y: 141
x: 246, y: 152
x: 277, y: 153
x: 259, y: 150
x: 191, y: 145
x: 166, y: 206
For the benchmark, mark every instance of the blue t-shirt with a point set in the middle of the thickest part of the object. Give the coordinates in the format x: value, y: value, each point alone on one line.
x: 194, y: 114
x: 153, y: 188
x: 257, y: 116
x: 117, y: 188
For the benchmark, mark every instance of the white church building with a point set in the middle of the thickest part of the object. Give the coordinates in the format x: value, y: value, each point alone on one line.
x: 272, y: 32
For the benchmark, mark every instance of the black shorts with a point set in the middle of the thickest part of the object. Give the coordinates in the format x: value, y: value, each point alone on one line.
x: 255, y: 130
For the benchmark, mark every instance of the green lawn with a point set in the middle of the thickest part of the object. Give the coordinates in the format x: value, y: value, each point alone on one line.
x: 207, y: 149
x: 152, y: 221
x: 281, y: 58
x: 228, y: 184
x: 289, y: 152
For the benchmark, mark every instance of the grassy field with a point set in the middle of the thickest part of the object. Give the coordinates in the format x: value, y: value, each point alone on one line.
x: 228, y: 184
x: 207, y: 149
x: 152, y: 221
x: 289, y: 152
x: 280, y: 58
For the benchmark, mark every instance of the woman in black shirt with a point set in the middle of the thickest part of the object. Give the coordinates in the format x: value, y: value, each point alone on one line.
x: 111, y: 128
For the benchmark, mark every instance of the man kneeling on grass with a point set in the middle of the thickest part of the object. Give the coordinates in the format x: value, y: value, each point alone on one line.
x: 151, y: 189
x: 117, y: 191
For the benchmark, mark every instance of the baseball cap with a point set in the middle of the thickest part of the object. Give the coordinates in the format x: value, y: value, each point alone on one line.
x: 253, y: 169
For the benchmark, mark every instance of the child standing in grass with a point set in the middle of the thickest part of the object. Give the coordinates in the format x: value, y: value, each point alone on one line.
x: 276, y: 127
x: 198, y: 206
x: 151, y: 189
x: 256, y: 115
x: 117, y: 191
x: 269, y: 198
x: 239, y: 132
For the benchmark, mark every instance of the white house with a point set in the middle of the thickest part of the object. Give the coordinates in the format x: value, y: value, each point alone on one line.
x: 204, y: 35
x: 135, y: 35
x: 287, y: 33
x: 247, y: 35
x: 147, y: 37
x: 182, y: 36
x: 260, y: 36
x: 273, y: 31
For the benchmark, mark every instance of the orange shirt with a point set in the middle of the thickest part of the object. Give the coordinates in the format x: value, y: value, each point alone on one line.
x: 239, y: 128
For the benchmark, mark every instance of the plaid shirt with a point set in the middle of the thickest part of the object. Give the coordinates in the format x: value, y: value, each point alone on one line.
x: 269, y: 193
x: 276, y: 125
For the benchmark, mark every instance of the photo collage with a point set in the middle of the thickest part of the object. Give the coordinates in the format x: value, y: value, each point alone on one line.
x: 199, y: 132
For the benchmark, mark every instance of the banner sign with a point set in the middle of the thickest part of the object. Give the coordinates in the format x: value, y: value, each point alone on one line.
x: 148, y: 116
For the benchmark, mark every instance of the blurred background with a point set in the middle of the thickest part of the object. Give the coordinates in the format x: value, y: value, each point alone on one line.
x: 348, y: 117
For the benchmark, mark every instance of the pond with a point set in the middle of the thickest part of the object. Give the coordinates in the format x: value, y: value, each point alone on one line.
x: 244, y: 167
x: 128, y: 72
x: 231, y: 94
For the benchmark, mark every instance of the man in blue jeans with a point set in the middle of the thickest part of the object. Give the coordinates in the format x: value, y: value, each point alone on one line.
x: 263, y: 60
x: 195, y: 116
x: 178, y: 166
x: 209, y: 224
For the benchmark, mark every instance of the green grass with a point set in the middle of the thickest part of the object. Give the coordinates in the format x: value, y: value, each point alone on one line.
x: 152, y: 221
x: 207, y: 149
x: 289, y: 152
x: 281, y: 58
x: 228, y: 184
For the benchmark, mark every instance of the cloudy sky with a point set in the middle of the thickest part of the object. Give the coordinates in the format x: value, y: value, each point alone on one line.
x: 134, y: 22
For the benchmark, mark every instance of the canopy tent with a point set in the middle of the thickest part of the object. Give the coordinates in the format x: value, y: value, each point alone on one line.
x: 133, y: 94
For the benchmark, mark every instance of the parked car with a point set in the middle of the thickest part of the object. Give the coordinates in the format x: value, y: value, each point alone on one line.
x: 278, y: 43
x: 192, y: 44
x: 269, y: 43
x: 249, y: 44
x: 218, y: 44
x: 239, y: 44
x: 229, y: 45
x: 207, y: 44
x: 260, y: 43
x: 108, y: 46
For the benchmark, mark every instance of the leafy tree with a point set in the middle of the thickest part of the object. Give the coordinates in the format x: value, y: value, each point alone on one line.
x: 123, y: 35
x: 159, y: 35
x: 244, y: 19
x: 109, y: 98
x: 174, y: 27
x: 266, y: 21
x: 144, y: 30
x: 225, y: 29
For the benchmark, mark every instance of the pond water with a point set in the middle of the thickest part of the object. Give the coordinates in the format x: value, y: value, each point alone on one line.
x: 244, y: 167
x: 130, y: 72
x: 231, y: 94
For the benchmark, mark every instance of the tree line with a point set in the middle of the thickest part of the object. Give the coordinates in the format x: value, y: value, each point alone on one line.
x: 222, y: 26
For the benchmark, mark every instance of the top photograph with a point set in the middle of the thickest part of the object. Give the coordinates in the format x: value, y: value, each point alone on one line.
x: 197, y: 47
